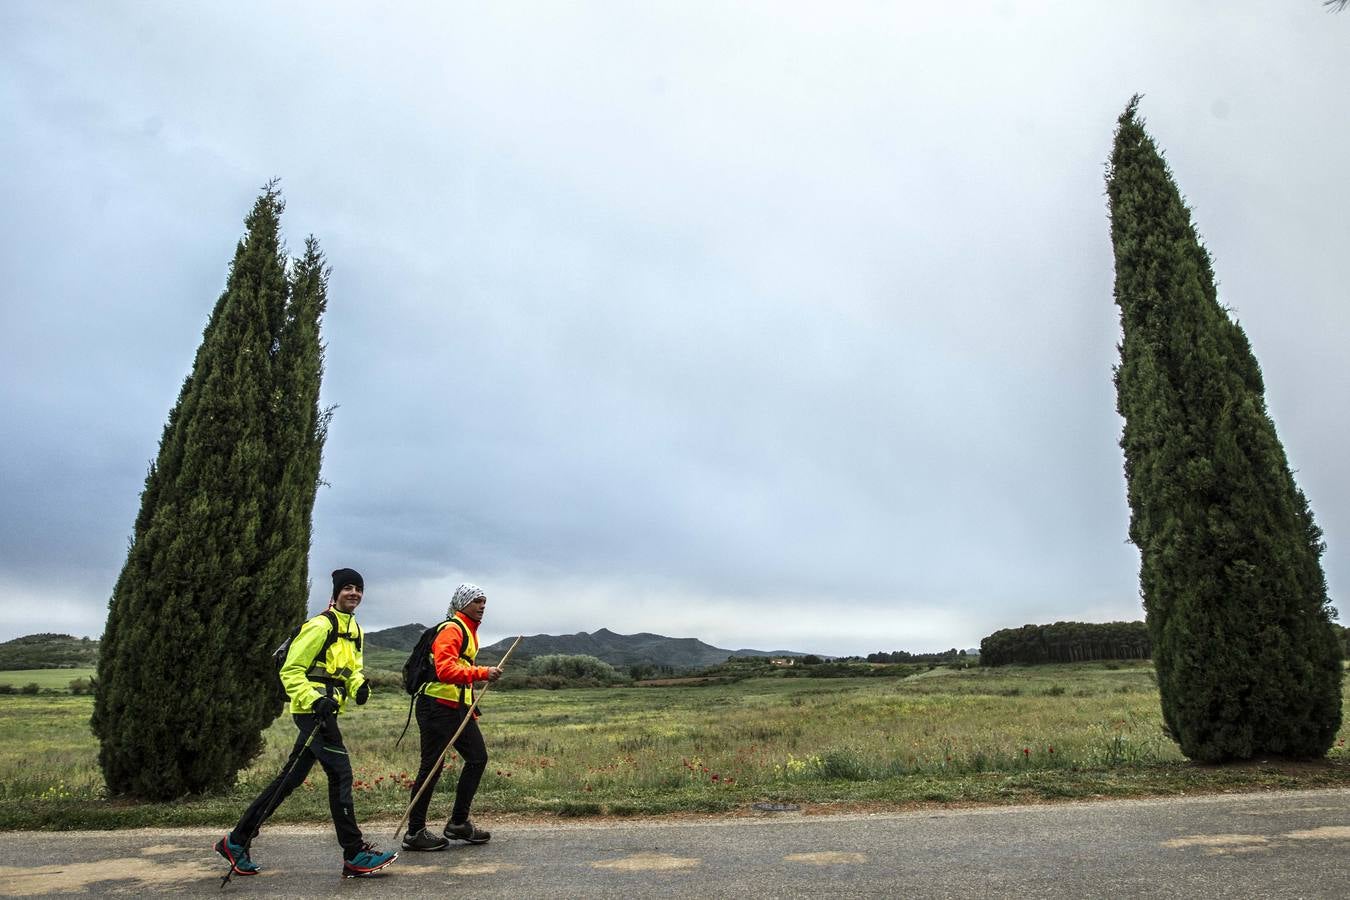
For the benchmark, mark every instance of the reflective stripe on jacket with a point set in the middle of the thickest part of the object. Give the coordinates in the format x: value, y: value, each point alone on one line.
x: 340, y: 671
x: 454, y: 662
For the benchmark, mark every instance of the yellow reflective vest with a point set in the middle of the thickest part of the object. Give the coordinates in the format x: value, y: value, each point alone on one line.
x: 453, y: 655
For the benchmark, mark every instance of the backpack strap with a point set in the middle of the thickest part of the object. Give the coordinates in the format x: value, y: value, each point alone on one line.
x: 463, y: 649
x: 334, y: 634
x: 464, y: 637
x: 422, y: 689
x: 328, y: 642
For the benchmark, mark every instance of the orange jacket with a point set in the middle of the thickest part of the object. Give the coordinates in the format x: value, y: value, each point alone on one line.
x: 455, y: 663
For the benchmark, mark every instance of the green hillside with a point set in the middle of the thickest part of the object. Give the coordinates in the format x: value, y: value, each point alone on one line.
x: 389, y: 647
x: 623, y: 650
x: 402, y: 637
x: 48, y: 651
x: 619, y: 650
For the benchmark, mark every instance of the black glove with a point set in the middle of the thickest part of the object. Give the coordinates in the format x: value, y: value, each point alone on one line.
x: 325, y: 707
x: 363, y: 693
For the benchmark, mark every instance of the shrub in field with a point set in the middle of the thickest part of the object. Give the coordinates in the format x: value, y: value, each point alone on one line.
x: 31, y: 687
x: 81, y: 686
x: 217, y: 571
x: 511, y: 681
x: 574, y: 668
x: 1236, y: 602
x: 385, y: 680
x: 844, y: 765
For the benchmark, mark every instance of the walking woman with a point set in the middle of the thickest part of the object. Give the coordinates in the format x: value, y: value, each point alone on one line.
x: 441, y: 708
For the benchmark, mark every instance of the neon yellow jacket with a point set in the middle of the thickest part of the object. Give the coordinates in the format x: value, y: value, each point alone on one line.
x: 340, y: 669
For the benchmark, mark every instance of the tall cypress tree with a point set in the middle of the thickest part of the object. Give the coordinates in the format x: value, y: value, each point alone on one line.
x: 1230, y: 558
x: 216, y: 571
x: 298, y: 428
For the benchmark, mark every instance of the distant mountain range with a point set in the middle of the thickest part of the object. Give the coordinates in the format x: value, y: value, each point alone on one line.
x: 47, y: 651
x: 619, y: 650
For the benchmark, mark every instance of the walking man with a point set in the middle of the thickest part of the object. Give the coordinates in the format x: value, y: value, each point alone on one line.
x: 441, y: 709
x: 321, y: 673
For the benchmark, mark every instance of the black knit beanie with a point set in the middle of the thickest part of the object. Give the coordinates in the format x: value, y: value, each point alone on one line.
x: 344, y: 577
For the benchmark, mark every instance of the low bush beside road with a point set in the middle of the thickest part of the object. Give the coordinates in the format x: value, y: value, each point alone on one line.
x: 1011, y: 734
x: 33, y: 681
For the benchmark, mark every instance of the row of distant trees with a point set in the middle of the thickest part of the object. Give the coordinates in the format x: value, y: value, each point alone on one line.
x: 1066, y: 642
x: 904, y: 656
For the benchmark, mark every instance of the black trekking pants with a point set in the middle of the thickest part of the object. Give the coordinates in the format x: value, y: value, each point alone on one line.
x: 437, y: 722
x: 328, y: 749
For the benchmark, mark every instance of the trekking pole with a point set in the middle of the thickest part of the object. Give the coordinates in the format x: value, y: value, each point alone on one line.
x: 440, y: 760
x: 281, y: 780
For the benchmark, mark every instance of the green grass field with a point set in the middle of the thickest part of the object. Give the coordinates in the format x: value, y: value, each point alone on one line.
x: 943, y: 737
x: 45, y: 679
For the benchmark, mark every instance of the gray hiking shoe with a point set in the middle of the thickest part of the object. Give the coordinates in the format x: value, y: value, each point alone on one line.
x: 466, y: 831
x: 423, y: 840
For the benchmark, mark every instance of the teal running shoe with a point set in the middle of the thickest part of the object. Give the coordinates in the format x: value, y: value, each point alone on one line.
x: 237, y: 856
x: 366, y: 861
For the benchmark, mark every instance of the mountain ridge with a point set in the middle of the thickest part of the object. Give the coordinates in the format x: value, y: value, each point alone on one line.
x: 48, y: 650
x: 619, y: 650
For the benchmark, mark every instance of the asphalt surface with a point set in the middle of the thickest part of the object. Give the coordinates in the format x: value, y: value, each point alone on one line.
x: 1294, y: 844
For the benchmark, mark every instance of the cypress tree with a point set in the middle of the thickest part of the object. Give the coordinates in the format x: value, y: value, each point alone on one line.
x: 1230, y: 557
x: 298, y: 428
x: 216, y: 570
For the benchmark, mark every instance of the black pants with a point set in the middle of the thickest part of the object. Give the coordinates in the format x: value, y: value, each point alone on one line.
x: 328, y: 749
x: 437, y: 722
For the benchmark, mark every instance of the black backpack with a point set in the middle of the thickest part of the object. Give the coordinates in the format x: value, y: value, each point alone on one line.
x: 279, y: 655
x: 419, y: 670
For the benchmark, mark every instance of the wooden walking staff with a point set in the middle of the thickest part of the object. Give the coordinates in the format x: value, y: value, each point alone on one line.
x: 440, y: 760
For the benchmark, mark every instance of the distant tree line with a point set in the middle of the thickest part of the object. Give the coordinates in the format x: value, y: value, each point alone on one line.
x: 904, y: 656
x: 1066, y: 642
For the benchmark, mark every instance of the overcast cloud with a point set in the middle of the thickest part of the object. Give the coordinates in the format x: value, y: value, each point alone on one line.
x: 777, y: 325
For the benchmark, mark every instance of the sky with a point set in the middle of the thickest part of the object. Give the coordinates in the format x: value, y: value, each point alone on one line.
x: 778, y: 325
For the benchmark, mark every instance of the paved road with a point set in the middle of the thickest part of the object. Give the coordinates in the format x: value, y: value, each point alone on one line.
x: 1293, y: 844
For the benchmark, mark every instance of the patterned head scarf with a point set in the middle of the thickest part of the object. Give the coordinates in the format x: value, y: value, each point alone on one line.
x: 464, y: 595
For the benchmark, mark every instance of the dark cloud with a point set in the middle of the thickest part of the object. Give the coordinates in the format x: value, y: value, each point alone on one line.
x: 780, y: 330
